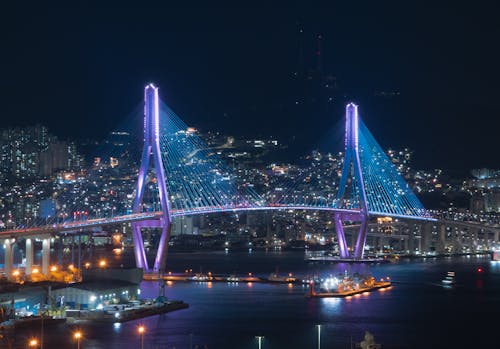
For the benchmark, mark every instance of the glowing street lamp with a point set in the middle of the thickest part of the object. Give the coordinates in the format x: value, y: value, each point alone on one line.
x: 141, y: 329
x: 319, y: 336
x: 78, y: 336
x: 33, y: 343
x: 259, y: 340
x: 102, y: 263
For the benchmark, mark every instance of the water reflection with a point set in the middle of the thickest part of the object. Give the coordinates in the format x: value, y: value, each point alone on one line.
x: 331, y: 305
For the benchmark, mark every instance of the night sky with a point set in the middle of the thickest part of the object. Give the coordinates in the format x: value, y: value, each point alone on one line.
x: 81, y: 71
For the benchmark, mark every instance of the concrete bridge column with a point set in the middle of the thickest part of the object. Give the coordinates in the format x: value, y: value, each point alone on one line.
x: 45, y: 255
x: 377, y: 243
x: 411, y: 242
x: 474, y: 238
x: 73, y: 249
x: 79, y: 265
x: 495, y: 236
x: 441, y: 237
x: 29, y: 256
x: 426, y: 231
x: 9, y: 256
x: 404, y: 244
x: 475, y: 235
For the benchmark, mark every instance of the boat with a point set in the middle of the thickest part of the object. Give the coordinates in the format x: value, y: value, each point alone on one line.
x: 334, y: 258
x: 274, y: 277
x: 233, y: 278
x: 201, y: 277
x: 449, y: 279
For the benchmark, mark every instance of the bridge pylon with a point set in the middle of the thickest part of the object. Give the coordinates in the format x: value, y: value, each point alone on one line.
x: 151, y: 155
x: 352, y: 177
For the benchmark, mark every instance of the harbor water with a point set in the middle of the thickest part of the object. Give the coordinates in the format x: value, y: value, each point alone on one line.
x: 417, y: 312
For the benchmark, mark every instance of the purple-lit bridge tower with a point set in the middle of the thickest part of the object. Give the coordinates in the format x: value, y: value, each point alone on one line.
x: 352, y: 176
x: 151, y: 155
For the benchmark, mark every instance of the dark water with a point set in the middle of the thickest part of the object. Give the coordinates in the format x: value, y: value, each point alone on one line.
x: 416, y: 313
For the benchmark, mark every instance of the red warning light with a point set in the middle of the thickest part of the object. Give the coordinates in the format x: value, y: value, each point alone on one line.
x: 479, y: 270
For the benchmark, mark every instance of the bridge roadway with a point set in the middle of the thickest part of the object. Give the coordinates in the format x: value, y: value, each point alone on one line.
x: 136, y: 217
x: 10, y: 237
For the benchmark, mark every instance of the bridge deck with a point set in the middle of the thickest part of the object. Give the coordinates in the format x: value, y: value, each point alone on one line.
x: 135, y: 217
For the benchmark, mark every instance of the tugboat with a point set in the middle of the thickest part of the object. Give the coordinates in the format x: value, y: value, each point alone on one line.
x: 449, y: 280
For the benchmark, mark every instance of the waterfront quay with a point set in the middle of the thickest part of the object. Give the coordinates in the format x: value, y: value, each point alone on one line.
x: 103, y: 295
x: 124, y: 312
x: 382, y: 286
x: 209, y: 277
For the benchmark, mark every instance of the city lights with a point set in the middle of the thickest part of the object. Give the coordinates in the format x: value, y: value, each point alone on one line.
x: 141, y: 330
x: 77, y: 336
x: 257, y: 191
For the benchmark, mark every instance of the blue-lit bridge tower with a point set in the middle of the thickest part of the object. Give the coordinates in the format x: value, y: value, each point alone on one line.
x: 151, y: 155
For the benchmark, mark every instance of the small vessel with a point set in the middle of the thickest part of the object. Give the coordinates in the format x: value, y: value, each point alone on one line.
x: 275, y: 278
x: 201, y: 277
x: 449, y: 279
x: 233, y: 278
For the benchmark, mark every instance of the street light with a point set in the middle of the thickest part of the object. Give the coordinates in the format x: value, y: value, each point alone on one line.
x: 319, y: 336
x: 33, y: 343
x: 259, y: 339
x: 141, y: 329
x: 78, y: 336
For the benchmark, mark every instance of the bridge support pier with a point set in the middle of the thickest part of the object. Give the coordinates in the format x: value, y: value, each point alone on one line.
x: 79, y: 264
x: 426, y: 237
x: 139, y: 251
x: 29, y: 256
x: 441, y: 238
x: 161, y: 254
x: 45, y: 255
x: 343, y: 250
x: 73, y: 249
x: 361, y: 240
x: 9, y: 257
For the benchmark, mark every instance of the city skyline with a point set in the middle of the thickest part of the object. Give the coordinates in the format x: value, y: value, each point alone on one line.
x: 433, y: 77
x: 266, y: 176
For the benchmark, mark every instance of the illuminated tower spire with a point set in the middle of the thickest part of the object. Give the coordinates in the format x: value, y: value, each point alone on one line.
x: 151, y: 149
x: 352, y: 170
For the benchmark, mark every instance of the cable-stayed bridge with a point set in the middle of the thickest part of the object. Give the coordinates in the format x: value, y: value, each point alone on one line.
x: 180, y: 175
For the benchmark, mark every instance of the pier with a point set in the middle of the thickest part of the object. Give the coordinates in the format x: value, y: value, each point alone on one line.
x: 342, y: 294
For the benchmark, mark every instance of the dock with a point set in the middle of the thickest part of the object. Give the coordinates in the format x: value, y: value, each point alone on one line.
x: 336, y: 259
x: 377, y: 286
x: 221, y: 278
x: 124, y: 314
